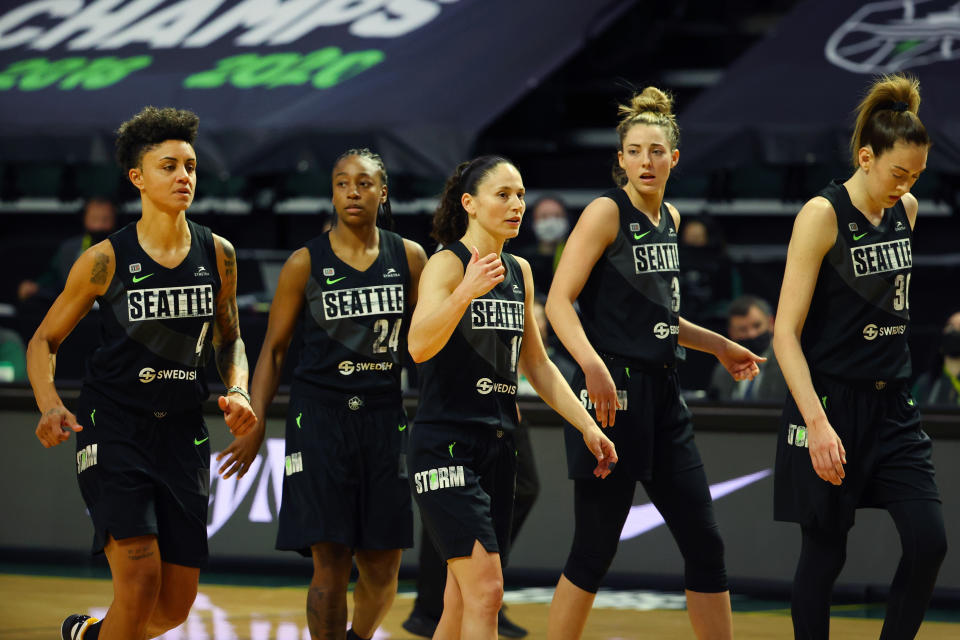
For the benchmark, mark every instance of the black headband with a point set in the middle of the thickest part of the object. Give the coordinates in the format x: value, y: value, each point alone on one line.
x: 898, y: 106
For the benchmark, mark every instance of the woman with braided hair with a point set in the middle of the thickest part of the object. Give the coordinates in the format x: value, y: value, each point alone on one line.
x: 841, y: 340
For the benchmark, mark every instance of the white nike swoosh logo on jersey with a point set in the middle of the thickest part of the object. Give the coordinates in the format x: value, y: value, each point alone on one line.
x: 644, y: 517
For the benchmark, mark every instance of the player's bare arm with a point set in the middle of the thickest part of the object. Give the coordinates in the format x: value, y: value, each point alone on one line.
x: 89, y: 277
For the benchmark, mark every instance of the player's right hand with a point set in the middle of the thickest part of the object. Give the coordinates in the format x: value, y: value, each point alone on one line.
x: 827, y: 453
x: 602, y: 449
x: 481, y: 274
x: 602, y: 392
x: 241, y: 453
x: 55, y: 426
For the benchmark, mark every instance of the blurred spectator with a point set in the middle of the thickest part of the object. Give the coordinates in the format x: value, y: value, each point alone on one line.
x: 99, y: 221
x: 555, y: 351
x: 13, y: 357
x: 941, y: 386
x: 550, y: 221
x: 708, y: 280
x: 750, y: 323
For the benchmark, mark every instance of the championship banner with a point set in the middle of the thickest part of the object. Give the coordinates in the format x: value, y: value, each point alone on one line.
x: 272, y: 80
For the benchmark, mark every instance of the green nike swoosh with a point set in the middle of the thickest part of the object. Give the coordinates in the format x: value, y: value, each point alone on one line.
x: 137, y: 279
x: 298, y: 419
x: 637, y: 237
x: 450, y: 448
x: 92, y: 421
x: 199, y: 442
x: 911, y: 401
x: 402, y: 427
x: 824, y: 401
x: 857, y: 237
x: 335, y: 280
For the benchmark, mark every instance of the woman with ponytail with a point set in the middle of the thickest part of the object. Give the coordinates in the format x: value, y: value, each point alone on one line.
x: 473, y: 328
x: 345, y: 495
x: 841, y: 340
x: 620, y: 263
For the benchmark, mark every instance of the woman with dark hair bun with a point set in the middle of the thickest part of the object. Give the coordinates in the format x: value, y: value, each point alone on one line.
x: 472, y: 331
x: 841, y: 341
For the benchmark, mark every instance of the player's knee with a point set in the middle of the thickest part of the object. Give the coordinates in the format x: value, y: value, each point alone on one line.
x: 379, y: 570
x: 586, y: 568
x: 930, y: 548
x: 139, y: 588
x: 174, y: 605
x: 331, y: 565
x: 485, y: 597
x: 704, y: 568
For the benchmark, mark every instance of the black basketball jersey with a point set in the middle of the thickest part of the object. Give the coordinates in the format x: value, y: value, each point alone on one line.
x: 859, y: 317
x: 354, y: 322
x: 157, y: 326
x: 630, y: 304
x: 472, y: 380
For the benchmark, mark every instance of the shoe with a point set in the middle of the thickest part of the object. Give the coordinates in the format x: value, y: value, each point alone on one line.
x: 420, y: 624
x: 508, y: 629
x: 74, y: 626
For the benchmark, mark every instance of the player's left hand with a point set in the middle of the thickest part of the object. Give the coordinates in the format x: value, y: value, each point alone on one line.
x: 237, y: 413
x: 602, y: 449
x: 739, y: 361
x: 241, y: 453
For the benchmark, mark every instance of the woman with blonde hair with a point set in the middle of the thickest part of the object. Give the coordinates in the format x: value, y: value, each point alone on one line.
x: 621, y: 265
x: 841, y: 340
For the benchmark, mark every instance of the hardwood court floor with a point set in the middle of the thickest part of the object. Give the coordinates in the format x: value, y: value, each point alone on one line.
x: 31, y: 608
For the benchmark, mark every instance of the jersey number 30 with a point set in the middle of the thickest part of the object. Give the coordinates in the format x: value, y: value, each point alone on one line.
x: 901, y: 292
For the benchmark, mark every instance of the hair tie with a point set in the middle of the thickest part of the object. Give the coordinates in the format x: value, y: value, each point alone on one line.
x: 898, y: 106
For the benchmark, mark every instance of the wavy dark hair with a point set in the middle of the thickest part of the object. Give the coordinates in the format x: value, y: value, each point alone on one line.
x: 150, y: 127
x: 384, y: 213
x: 450, y: 218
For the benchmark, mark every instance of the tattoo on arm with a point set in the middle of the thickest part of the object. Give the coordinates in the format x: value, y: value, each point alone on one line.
x: 229, y: 260
x: 231, y: 354
x: 99, y: 273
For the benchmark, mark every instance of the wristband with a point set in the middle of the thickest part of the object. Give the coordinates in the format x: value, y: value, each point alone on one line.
x: 242, y: 392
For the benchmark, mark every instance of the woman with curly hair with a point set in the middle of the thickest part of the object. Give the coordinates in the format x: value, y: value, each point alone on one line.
x: 166, y: 289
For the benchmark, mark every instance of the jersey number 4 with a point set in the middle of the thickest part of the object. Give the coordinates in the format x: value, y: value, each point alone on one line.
x: 385, y: 337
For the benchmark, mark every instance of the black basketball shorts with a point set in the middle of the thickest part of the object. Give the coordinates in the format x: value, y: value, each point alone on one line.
x: 344, y: 480
x: 889, y: 457
x: 464, y: 479
x: 142, y: 473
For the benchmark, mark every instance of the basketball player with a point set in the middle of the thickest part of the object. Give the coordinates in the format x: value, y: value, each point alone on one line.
x: 345, y: 492
x: 621, y: 264
x: 841, y: 340
x: 166, y: 289
x: 472, y: 329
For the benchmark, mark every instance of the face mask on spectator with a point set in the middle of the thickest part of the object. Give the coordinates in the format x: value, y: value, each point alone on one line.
x: 951, y: 344
x: 550, y: 229
x: 757, y: 344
